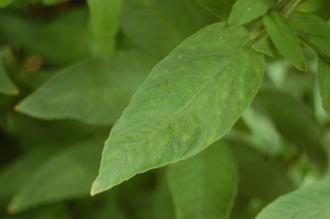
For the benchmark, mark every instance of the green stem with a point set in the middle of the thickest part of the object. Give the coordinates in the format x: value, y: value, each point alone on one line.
x: 289, y: 8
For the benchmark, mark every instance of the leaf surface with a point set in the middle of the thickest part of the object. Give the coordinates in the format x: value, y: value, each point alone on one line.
x: 245, y: 11
x: 162, y: 25
x: 306, y: 203
x: 220, y: 8
x: 93, y: 91
x: 6, y: 85
x: 285, y: 39
x: 166, y: 119
x: 324, y: 83
x: 66, y: 175
x: 105, y: 16
x: 310, y: 23
x: 204, y: 186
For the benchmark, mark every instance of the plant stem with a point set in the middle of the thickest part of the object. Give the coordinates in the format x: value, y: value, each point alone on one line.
x: 288, y: 9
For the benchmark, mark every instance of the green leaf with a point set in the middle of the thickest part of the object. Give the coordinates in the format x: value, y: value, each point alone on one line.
x: 324, y: 83
x: 52, y: 2
x: 310, y: 24
x: 220, y: 8
x: 245, y: 11
x: 166, y: 119
x: 45, y: 39
x: 94, y: 91
x: 306, y: 203
x: 66, y: 175
x: 6, y: 85
x: 285, y: 39
x: 204, y: 186
x: 158, y: 26
x: 310, y: 6
x: 260, y: 177
x: 14, y: 175
x: 105, y: 16
x: 294, y: 121
x: 264, y: 46
x: 320, y: 43
x: 5, y: 3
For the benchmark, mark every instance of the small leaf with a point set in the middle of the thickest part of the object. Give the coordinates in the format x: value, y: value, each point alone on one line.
x: 310, y: 24
x: 264, y: 46
x: 6, y: 85
x: 204, y: 186
x: 93, y: 91
x: 245, y: 11
x: 220, y: 8
x: 285, y: 39
x: 306, y: 203
x: 105, y: 16
x: 166, y: 118
x: 324, y: 83
x: 66, y: 175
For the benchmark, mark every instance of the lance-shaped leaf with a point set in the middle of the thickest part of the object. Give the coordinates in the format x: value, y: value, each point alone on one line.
x: 105, y: 16
x: 6, y: 85
x: 204, y: 186
x: 191, y: 99
x: 245, y: 11
x: 310, y: 23
x: 220, y: 8
x: 93, y: 91
x: 65, y: 176
x: 306, y: 203
x: 285, y: 39
x: 324, y: 83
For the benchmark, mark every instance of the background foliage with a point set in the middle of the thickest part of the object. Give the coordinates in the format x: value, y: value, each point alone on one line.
x: 218, y: 108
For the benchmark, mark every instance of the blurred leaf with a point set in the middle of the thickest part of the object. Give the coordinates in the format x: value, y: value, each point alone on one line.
x: 166, y: 118
x: 305, y: 203
x: 310, y: 6
x: 54, y: 46
x: 263, y: 132
x: 245, y: 11
x: 15, y: 174
x: 324, y: 83
x: 285, y: 39
x: 47, y: 38
x: 322, y: 44
x: 93, y: 90
x: 294, y: 121
x: 157, y: 26
x: 261, y: 179
x: 220, y: 8
x: 66, y: 175
x: 4, y: 3
x: 205, y: 185
x: 105, y: 16
x: 6, y: 85
x: 53, y: 2
x: 310, y: 24
x: 51, y: 212
x: 163, y: 207
x: 31, y: 133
